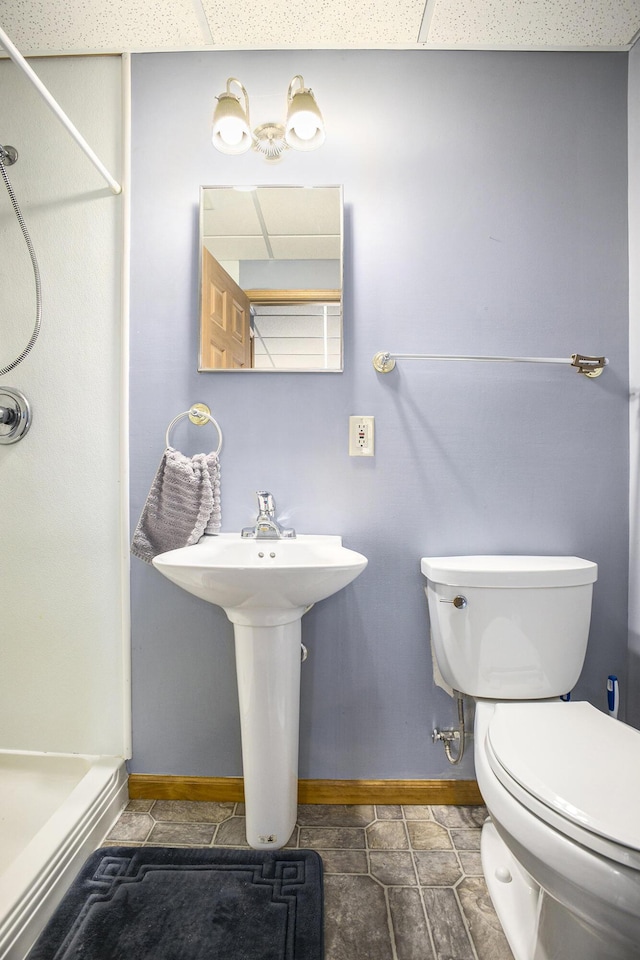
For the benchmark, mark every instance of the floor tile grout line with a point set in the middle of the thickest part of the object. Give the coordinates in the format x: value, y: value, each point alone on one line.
x: 463, y: 915
x: 385, y: 888
x: 464, y: 920
x: 454, y: 888
x: 425, y: 912
x: 390, y: 925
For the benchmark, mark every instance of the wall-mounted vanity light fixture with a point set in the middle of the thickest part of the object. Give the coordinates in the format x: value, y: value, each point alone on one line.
x: 302, y: 130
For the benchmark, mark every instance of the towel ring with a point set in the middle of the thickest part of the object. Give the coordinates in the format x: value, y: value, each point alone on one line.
x: 199, y: 414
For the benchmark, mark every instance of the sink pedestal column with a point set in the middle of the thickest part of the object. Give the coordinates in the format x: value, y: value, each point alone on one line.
x: 268, y: 669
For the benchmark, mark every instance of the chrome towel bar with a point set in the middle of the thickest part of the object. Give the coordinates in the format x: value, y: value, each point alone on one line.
x: 384, y: 361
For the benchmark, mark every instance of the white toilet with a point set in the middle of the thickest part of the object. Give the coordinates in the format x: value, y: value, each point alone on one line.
x: 561, y: 780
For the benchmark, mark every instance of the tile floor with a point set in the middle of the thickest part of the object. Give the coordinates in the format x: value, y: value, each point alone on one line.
x: 401, y: 882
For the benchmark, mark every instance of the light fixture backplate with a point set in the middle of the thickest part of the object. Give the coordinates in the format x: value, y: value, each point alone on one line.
x: 268, y: 139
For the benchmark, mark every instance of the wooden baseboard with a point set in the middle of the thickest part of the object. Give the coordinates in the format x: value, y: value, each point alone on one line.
x: 144, y: 786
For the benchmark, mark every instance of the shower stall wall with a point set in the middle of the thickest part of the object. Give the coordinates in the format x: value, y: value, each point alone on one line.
x: 64, y: 683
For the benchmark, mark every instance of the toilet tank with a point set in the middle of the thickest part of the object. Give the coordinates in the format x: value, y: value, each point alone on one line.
x: 509, y: 628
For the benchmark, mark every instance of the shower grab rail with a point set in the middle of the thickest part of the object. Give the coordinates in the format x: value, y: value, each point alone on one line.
x: 200, y: 414
x: 384, y: 361
x: 20, y: 62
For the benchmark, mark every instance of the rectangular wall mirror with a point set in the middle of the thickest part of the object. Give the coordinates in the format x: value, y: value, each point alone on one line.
x: 271, y: 279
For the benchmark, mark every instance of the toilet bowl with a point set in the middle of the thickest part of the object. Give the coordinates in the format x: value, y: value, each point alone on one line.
x: 561, y: 853
x: 561, y: 780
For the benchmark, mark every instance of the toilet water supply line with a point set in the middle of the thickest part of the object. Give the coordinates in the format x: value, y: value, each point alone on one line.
x: 448, y: 736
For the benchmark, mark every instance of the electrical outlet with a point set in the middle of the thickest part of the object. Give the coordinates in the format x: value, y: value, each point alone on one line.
x: 361, y: 436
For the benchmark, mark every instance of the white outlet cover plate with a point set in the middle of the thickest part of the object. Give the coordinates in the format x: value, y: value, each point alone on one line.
x: 361, y: 436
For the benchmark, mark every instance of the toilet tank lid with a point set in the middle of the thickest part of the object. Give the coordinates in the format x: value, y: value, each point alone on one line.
x: 505, y: 571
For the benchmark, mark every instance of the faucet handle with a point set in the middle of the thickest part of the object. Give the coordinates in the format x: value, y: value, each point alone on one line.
x: 266, y: 503
x: 267, y: 526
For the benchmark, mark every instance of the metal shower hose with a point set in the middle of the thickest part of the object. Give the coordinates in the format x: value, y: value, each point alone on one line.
x: 34, y: 262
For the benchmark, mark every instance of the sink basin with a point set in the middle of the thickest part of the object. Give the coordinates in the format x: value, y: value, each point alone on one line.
x: 265, y: 586
x: 262, y: 581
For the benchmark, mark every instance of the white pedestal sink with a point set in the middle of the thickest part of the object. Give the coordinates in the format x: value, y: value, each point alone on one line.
x: 264, y: 587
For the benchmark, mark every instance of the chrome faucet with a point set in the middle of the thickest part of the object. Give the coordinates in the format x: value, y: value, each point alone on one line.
x: 267, y: 527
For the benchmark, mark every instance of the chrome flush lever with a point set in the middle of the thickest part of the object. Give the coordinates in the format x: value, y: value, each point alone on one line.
x: 459, y: 602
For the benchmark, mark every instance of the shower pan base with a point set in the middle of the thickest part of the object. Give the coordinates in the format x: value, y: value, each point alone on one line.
x: 55, y: 809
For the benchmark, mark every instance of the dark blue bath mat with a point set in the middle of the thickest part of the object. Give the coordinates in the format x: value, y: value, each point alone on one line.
x: 160, y: 903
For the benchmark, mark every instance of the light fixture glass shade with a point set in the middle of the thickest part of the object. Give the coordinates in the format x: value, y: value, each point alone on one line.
x: 304, y: 129
x: 231, y: 130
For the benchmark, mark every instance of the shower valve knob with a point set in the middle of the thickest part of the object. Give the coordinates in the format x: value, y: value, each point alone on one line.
x: 7, y: 415
x: 15, y: 415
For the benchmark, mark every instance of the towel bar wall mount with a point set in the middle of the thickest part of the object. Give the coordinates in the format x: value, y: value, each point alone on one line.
x: 200, y: 414
x: 384, y: 362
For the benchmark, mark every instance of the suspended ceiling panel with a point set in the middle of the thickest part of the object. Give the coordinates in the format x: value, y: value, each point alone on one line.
x: 284, y: 213
x: 531, y: 24
x: 98, y: 26
x: 314, y: 23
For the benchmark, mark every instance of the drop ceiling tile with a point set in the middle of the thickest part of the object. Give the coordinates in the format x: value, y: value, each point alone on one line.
x: 306, y: 248
x: 114, y: 25
x: 228, y: 212
x: 531, y: 24
x: 286, y: 211
x: 256, y: 24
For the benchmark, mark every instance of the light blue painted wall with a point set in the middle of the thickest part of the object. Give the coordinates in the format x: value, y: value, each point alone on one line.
x: 486, y: 213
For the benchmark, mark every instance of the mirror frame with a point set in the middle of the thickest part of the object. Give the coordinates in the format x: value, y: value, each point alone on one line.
x: 275, y: 297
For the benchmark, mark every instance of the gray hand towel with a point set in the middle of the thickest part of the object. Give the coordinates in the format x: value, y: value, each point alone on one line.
x: 182, y: 505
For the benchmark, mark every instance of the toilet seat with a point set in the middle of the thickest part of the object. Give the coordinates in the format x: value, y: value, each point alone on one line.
x: 573, y: 767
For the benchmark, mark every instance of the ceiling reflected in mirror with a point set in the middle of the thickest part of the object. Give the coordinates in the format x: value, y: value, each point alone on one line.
x: 271, y: 265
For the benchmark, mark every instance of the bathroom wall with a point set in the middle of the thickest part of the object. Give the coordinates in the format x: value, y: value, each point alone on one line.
x: 633, y: 683
x: 486, y: 213
x: 63, y: 638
